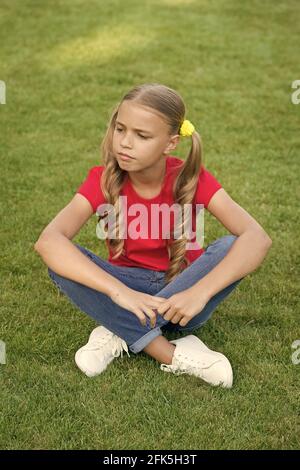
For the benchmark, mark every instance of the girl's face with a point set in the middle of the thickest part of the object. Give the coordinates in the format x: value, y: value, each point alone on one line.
x: 142, y: 134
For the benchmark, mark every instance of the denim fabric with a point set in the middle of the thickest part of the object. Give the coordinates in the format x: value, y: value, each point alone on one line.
x: 124, y: 323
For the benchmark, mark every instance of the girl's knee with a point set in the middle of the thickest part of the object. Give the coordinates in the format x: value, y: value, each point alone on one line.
x: 55, y: 278
x: 228, y: 240
x: 85, y: 251
x: 81, y: 248
x: 222, y: 244
x: 51, y: 273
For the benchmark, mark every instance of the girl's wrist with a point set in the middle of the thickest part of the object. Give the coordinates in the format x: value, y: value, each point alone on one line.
x: 114, y: 288
x: 202, y: 290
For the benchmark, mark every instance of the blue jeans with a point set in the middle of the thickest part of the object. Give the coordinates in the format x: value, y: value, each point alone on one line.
x: 124, y: 323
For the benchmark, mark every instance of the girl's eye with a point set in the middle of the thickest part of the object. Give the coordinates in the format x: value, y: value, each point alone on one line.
x: 142, y: 136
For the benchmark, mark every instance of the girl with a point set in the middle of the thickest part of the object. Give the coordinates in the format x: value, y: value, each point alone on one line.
x: 151, y: 283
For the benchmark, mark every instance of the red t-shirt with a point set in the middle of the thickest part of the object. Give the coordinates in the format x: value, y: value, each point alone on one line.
x: 146, y: 251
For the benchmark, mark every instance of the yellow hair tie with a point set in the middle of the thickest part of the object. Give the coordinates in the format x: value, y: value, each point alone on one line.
x: 186, y: 128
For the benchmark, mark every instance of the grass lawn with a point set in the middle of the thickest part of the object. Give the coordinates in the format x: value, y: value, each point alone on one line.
x: 66, y: 64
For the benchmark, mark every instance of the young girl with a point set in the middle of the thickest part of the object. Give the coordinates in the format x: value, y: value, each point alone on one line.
x: 151, y: 283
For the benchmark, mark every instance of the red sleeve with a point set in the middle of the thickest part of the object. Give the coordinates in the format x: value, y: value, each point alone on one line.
x: 207, y: 186
x: 90, y: 188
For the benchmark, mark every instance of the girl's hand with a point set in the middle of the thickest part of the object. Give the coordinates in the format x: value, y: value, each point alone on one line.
x: 183, y: 306
x: 138, y: 303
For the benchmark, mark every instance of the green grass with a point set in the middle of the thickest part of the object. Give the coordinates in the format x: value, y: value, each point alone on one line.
x: 66, y: 64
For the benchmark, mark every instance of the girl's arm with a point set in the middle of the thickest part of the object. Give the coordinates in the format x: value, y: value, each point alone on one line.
x: 63, y: 257
x: 246, y: 253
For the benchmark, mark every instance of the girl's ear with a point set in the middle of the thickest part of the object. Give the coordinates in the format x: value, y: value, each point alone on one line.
x: 173, y: 142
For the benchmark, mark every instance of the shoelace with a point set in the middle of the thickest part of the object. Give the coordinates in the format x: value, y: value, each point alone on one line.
x: 118, y: 344
x: 182, y: 368
x: 179, y: 369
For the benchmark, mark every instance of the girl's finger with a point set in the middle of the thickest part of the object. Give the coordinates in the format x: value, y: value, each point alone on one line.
x: 155, y: 305
x: 162, y: 309
x: 159, y: 299
x: 141, y: 316
x: 176, y: 318
x: 183, y: 321
x: 151, y: 314
x: 170, y: 313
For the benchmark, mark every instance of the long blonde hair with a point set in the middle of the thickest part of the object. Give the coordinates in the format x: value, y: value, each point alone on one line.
x: 170, y: 105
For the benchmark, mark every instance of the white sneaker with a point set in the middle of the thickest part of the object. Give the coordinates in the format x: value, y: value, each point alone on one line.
x: 192, y: 356
x: 101, y: 349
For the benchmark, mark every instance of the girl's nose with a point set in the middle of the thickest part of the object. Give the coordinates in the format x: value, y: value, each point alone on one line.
x: 126, y: 141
